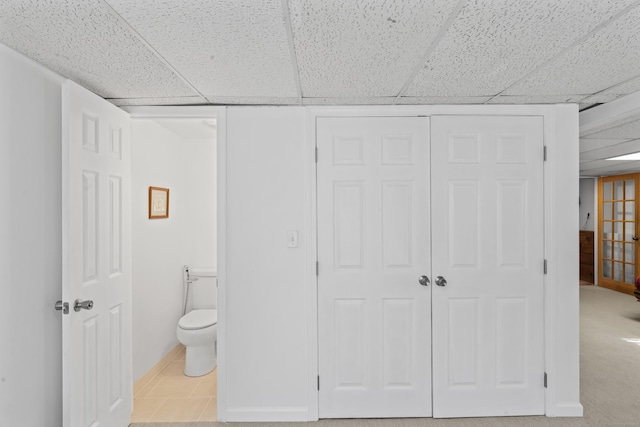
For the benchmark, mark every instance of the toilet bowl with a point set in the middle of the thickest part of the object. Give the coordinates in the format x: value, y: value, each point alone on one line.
x: 197, y: 331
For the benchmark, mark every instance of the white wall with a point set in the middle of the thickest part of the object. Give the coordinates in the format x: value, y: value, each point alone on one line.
x: 267, y: 351
x: 587, y: 204
x: 30, y: 243
x: 161, y: 247
x: 266, y: 365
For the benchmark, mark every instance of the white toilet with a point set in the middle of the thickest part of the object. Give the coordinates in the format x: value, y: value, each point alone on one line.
x: 198, y: 329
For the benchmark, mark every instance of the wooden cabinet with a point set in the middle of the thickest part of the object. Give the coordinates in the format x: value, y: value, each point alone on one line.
x: 586, y: 255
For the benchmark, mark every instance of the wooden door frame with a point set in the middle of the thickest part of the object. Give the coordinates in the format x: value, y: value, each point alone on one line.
x: 602, y: 281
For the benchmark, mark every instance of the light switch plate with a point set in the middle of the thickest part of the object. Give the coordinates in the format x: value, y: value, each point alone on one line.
x: 292, y: 238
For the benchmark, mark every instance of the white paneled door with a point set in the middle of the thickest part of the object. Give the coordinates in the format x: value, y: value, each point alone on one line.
x: 373, y: 246
x: 487, y: 216
x: 97, y: 348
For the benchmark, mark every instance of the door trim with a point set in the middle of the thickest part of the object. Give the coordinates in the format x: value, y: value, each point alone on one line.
x: 220, y: 114
x: 561, y: 305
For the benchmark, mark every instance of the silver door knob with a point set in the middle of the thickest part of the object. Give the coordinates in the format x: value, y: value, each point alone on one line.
x: 424, y: 280
x: 62, y: 306
x: 79, y: 305
x: 441, y: 281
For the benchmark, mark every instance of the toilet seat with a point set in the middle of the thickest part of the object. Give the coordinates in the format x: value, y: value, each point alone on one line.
x: 198, y: 319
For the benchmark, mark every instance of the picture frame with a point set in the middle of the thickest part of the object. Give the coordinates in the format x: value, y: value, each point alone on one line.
x: 158, y: 202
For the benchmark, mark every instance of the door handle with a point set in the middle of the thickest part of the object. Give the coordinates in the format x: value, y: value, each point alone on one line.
x: 441, y: 281
x: 79, y: 305
x: 62, y: 306
x: 424, y: 281
x: 635, y: 238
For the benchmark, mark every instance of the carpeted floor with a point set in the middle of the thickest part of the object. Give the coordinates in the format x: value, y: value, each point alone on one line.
x: 609, y: 367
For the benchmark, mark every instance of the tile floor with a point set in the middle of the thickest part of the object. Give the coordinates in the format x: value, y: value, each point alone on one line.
x: 172, y: 396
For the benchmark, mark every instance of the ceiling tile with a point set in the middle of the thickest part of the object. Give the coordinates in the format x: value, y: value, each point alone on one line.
x: 185, y: 100
x: 349, y: 101
x: 366, y: 48
x: 596, y: 144
x: 626, y: 88
x: 253, y: 100
x: 533, y: 99
x: 610, y: 56
x: 84, y: 41
x: 493, y: 43
x: 618, y: 149
x: 440, y: 100
x: 630, y: 130
x: 608, y: 167
x: 234, y: 48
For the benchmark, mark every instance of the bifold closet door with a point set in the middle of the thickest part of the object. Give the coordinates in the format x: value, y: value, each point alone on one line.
x: 373, y: 247
x: 487, y: 222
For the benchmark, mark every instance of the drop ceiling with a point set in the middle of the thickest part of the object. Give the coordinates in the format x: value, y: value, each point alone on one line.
x: 344, y: 52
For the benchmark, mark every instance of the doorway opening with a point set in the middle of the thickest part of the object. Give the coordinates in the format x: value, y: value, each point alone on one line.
x: 172, y: 150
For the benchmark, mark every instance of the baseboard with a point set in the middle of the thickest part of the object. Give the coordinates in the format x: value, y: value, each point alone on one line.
x: 156, y: 369
x: 568, y: 410
x: 256, y: 414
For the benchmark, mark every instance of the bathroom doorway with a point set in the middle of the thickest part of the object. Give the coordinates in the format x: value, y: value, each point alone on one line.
x: 172, y: 148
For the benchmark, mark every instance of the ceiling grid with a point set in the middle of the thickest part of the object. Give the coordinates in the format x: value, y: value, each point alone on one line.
x: 336, y: 52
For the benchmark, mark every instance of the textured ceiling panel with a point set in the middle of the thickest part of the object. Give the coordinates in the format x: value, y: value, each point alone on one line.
x: 608, y: 167
x: 436, y: 100
x: 362, y: 48
x: 254, y: 100
x: 186, y: 100
x: 611, y: 151
x: 493, y: 43
x: 610, y: 56
x: 82, y: 40
x: 349, y: 101
x: 595, y: 144
x: 544, y: 99
x: 232, y: 48
x: 629, y: 130
x: 626, y: 88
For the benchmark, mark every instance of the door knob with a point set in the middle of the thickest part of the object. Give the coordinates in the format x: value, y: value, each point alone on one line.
x: 62, y: 306
x: 441, y: 281
x: 424, y: 280
x: 635, y: 238
x: 79, y: 305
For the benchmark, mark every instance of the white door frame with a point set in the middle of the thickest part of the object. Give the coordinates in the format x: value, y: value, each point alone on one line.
x: 561, y: 235
x: 218, y: 113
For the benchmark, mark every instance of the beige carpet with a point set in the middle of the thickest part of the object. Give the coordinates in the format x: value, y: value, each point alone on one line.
x: 610, y: 375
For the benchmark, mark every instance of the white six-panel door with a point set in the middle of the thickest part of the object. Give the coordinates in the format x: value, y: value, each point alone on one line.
x: 97, y: 348
x: 487, y: 222
x: 484, y: 207
x: 373, y: 245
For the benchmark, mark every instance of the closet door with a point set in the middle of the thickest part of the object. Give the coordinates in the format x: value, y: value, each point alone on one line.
x: 488, y: 266
x: 373, y: 247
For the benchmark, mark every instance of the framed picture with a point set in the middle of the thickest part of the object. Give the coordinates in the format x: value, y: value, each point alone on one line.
x: 158, y: 202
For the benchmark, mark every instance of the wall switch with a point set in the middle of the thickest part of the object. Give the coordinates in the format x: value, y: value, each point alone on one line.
x: 292, y: 238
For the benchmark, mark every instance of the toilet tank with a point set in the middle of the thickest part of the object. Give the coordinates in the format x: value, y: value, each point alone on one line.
x: 204, y: 291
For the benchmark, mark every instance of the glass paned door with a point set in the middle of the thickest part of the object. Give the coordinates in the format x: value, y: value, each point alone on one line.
x: 618, y: 198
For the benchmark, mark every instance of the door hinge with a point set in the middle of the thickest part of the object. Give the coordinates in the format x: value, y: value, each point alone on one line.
x: 316, y: 154
x: 545, y: 266
x: 544, y: 153
x: 317, y: 268
x: 545, y: 380
x: 319, y: 383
